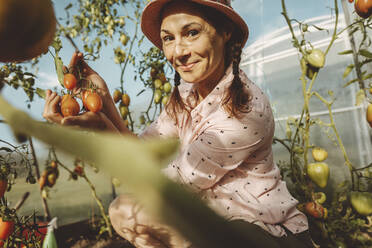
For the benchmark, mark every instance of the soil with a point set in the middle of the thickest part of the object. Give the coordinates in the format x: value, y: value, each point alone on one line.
x: 83, y: 235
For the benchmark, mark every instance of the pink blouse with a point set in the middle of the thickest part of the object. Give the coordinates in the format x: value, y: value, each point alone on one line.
x: 229, y: 161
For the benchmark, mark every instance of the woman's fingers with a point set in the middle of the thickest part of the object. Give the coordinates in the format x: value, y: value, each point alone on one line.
x: 51, y: 108
x: 85, y: 120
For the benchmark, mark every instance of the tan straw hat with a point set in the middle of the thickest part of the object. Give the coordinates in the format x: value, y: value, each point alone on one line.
x: 150, y: 21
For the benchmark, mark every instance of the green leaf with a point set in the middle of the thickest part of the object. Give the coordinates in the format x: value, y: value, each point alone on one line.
x: 365, y: 53
x: 368, y: 76
x: 345, y: 52
x: 59, y: 68
x: 350, y: 82
x: 347, y: 71
x: 40, y: 92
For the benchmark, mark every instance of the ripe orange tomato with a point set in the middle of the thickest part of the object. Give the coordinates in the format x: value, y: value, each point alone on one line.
x: 69, y: 106
x: 125, y: 99
x: 117, y: 96
x: 69, y: 81
x: 3, y: 187
x: 93, y: 102
x: 6, y: 228
x: 363, y: 8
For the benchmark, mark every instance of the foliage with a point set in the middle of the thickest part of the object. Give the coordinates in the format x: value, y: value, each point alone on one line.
x: 343, y: 226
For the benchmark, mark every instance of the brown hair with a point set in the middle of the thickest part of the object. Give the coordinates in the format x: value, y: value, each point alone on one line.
x: 236, y: 98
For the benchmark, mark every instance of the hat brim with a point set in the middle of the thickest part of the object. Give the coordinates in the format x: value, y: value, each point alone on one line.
x: 150, y: 21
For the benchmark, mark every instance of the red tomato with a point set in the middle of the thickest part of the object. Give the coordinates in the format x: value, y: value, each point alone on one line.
x: 69, y: 106
x: 350, y: 1
x: 93, y: 102
x: 69, y: 81
x: 363, y: 8
x: 314, y: 209
x: 3, y: 187
x: 79, y: 170
x: 6, y: 228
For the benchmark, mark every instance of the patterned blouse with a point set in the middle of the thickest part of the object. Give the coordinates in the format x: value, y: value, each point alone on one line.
x: 229, y: 160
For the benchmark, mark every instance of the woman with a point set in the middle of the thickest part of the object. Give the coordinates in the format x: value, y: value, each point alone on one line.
x: 224, y: 123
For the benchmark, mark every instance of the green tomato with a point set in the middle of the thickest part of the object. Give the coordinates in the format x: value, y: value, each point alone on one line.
x: 165, y: 100
x: 158, y: 83
x: 316, y: 58
x: 318, y: 173
x: 157, y: 96
x: 167, y: 87
x: 361, y: 202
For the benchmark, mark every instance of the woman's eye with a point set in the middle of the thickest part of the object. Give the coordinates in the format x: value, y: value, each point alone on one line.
x: 167, y: 38
x: 193, y: 32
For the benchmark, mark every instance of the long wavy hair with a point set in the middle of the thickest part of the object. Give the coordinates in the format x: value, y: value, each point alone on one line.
x: 236, y: 99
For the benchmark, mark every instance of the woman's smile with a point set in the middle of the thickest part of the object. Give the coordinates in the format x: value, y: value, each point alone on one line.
x: 187, y: 67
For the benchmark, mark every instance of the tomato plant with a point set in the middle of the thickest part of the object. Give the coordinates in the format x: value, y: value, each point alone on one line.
x: 69, y: 81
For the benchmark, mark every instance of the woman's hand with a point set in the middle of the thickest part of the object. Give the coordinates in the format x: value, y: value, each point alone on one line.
x: 79, y: 67
x: 90, y: 120
x: 52, y: 112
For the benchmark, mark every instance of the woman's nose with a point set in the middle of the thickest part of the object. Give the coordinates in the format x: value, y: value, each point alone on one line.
x: 181, y: 50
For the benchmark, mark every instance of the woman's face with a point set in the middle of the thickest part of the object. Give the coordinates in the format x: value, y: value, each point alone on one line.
x: 191, y: 44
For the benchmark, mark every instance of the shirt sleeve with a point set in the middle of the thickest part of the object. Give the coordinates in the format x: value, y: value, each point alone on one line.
x: 164, y: 126
x: 218, y: 150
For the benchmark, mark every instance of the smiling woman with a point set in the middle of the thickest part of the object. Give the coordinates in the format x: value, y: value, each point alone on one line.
x: 224, y: 123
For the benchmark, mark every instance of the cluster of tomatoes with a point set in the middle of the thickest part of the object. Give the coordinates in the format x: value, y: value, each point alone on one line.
x: 90, y: 98
x: 124, y: 100
x: 49, y: 176
x: 363, y: 7
x: 318, y: 172
x: 161, y: 85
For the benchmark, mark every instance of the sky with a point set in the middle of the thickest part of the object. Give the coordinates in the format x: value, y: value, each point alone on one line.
x: 262, y: 17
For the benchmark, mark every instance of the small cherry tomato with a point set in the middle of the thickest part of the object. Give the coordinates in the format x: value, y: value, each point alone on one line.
x: 69, y: 106
x: 51, y: 179
x: 3, y: 187
x: 79, y: 170
x: 43, y: 179
x: 117, y: 96
x: 165, y: 100
x: 124, y: 111
x: 53, y: 164
x: 69, y: 81
x: 125, y: 99
x: 315, y: 210
x: 93, y: 102
x: 6, y: 228
x: 363, y: 8
x: 167, y: 87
